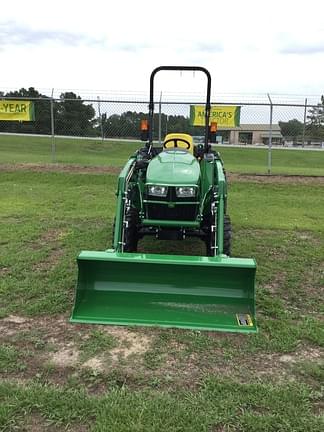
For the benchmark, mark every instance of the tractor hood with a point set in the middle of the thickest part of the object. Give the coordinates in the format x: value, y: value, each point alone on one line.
x: 173, y: 167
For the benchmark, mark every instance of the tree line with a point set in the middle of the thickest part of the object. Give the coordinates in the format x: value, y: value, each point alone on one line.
x: 127, y: 124
x: 313, y: 129
x: 72, y: 116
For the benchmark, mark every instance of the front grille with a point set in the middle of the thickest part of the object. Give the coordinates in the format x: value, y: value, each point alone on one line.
x: 185, y: 212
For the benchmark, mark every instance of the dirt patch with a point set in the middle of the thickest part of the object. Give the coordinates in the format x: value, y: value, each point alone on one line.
x: 4, y: 271
x: 50, y: 350
x: 309, y: 237
x: 312, y: 281
x: 275, y: 285
x: 65, y: 357
x: 37, y: 423
x: 66, y: 168
x: 53, y: 341
x: 257, y: 178
x: 52, y: 238
x: 49, y: 262
x: 304, y: 236
x: 279, y: 366
x: 81, y: 169
x: 95, y: 363
x: 15, y: 319
x: 131, y: 344
x: 56, y: 331
x: 310, y: 354
x: 12, y: 324
x: 52, y: 235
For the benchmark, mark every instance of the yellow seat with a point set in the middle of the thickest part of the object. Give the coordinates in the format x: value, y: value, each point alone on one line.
x: 178, y: 140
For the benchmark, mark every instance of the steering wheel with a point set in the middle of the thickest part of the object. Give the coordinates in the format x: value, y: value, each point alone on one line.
x: 175, y: 142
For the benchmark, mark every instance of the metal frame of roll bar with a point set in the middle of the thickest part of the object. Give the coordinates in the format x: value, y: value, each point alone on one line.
x: 151, y: 103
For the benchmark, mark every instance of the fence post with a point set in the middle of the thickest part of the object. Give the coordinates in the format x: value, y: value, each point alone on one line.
x: 270, y: 138
x: 53, y: 129
x: 100, y: 117
x: 304, y: 126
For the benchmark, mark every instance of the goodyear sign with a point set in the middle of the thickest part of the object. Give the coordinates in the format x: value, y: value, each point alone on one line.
x: 224, y: 116
x: 17, y: 110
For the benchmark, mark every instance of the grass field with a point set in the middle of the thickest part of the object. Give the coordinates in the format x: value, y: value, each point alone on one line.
x: 56, y: 376
x: 22, y: 149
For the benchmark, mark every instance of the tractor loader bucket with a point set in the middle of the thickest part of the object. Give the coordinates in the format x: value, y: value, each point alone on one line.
x: 202, y: 293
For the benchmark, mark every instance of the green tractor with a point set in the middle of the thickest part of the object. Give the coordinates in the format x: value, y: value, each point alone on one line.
x: 171, y: 192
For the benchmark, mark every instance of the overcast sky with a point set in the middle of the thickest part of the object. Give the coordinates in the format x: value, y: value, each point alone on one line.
x: 249, y: 46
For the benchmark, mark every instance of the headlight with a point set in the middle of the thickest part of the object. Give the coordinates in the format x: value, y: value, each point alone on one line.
x: 185, y: 191
x: 159, y: 191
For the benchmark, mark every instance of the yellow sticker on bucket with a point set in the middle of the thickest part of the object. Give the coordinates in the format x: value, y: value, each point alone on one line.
x: 244, y: 320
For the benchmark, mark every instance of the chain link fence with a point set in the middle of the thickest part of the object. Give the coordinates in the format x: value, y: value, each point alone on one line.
x: 264, y: 124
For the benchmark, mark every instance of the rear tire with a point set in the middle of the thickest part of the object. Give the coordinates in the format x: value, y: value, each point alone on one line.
x: 113, y: 232
x: 227, y: 235
x: 131, y: 230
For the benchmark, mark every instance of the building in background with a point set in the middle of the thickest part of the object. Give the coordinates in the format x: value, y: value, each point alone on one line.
x: 257, y: 134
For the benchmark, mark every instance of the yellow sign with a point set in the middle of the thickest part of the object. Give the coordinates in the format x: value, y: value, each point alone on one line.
x: 17, y: 110
x: 224, y: 116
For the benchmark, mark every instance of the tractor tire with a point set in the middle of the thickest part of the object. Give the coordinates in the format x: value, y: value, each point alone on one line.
x: 227, y: 238
x: 227, y: 235
x: 131, y: 231
x: 113, y: 232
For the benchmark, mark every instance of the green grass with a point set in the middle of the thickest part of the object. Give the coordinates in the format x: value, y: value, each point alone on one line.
x: 49, y: 217
x: 218, y: 405
x: 8, y: 358
x: 312, y: 370
x: 277, y: 206
x: 183, y: 380
x: 292, y: 162
x: 18, y: 149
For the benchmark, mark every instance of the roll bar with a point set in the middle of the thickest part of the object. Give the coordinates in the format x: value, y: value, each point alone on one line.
x: 151, y: 104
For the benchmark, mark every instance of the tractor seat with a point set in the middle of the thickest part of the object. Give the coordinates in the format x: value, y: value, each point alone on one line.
x: 178, y: 140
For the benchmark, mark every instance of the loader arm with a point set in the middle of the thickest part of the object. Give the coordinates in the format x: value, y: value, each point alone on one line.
x: 220, y: 205
x: 122, y: 187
